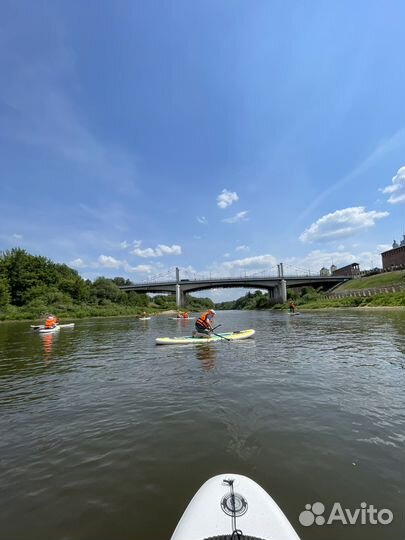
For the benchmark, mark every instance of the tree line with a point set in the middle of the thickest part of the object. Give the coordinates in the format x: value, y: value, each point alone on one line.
x: 33, y: 285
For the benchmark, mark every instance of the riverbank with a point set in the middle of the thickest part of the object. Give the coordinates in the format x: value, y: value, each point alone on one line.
x: 72, y: 316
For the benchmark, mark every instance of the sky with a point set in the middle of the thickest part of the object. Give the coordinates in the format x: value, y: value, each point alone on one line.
x: 219, y: 137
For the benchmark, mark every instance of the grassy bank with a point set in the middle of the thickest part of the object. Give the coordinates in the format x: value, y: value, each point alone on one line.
x: 379, y: 280
x: 379, y: 300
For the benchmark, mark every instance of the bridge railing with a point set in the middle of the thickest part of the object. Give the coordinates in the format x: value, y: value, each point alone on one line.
x: 211, y: 277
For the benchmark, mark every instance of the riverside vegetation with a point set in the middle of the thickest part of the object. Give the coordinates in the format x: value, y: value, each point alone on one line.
x: 32, y: 286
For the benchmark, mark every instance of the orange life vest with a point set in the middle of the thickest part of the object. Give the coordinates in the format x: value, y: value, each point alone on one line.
x: 202, y: 320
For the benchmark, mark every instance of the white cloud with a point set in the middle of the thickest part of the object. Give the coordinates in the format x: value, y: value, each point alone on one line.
x: 341, y: 224
x: 250, y: 264
x: 242, y: 248
x: 397, y: 187
x: 147, y: 252
x: 240, y: 216
x: 18, y: 236
x: 383, y: 247
x: 169, y: 250
x: 385, y: 147
x: 226, y: 198
x: 316, y: 259
x: 78, y: 263
x: 109, y: 262
x: 203, y: 220
x: 159, y: 251
x: 142, y: 268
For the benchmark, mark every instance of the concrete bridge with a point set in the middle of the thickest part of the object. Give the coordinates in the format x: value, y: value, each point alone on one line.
x: 276, y: 286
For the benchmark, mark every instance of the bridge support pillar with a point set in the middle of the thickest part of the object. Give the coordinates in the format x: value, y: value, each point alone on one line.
x: 271, y: 294
x: 179, y: 296
x: 282, y: 291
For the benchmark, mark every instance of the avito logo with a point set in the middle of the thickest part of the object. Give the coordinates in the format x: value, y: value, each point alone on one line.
x: 367, y: 514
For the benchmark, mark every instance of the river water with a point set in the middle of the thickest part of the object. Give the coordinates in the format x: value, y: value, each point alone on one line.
x: 104, y: 435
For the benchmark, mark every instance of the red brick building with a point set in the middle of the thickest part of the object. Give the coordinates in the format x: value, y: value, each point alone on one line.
x: 394, y: 259
x: 349, y: 270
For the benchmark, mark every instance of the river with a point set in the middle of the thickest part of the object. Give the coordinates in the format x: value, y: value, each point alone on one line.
x: 104, y: 435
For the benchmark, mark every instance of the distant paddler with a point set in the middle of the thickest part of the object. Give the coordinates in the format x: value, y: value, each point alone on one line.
x: 203, y: 325
x: 51, y: 321
x: 291, y: 306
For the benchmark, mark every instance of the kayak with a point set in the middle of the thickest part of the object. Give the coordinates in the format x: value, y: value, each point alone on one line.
x: 49, y: 330
x: 231, y: 502
x: 42, y: 327
x: 181, y: 318
x: 190, y: 340
x: 144, y: 318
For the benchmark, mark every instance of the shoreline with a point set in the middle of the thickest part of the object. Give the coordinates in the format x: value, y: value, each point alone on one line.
x: 170, y: 313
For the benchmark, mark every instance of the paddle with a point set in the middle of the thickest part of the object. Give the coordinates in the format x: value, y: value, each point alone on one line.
x: 219, y: 335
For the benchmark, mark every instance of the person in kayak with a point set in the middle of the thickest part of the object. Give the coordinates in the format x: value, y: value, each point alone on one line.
x: 50, y: 322
x: 203, y: 326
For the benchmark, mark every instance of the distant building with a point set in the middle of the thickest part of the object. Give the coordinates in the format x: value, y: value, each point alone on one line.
x: 333, y: 268
x: 394, y: 259
x: 348, y: 270
x: 324, y: 272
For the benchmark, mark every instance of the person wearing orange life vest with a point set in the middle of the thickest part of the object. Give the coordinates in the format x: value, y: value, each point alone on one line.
x: 185, y: 315
x: 50, y: 322
x: 203, y: 324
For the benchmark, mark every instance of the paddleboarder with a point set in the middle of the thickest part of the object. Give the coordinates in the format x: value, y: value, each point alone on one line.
x: 203, y: 325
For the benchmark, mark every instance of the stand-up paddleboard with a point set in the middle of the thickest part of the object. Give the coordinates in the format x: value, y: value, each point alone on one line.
x: 231, y: 502
x: 190, y: 340
x: 295, y: 313
x: 144, y: 318
x: 181, y: 318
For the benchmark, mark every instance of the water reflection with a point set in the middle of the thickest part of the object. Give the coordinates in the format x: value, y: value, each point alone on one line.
x: 207, y: 356
x: 48, y: 343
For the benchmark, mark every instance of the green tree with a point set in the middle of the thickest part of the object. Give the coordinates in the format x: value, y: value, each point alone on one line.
x: 4, y: 293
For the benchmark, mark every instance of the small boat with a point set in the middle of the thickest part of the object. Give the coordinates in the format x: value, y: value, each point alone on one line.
x: 190, y: 340
x: 181, y: 318
x: 231, y: 506
x: 49, y: 330
x: 37, y: 327
x: 144, y: 318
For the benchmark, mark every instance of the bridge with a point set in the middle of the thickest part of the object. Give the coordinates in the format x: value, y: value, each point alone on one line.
x: 275, y: 285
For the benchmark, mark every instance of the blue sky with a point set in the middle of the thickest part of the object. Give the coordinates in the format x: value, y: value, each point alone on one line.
x: 220, y: 137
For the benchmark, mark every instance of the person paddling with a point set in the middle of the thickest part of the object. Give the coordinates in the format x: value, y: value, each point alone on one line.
x: 203, y: 325
x: 50, y: 322
x: 292, y: 306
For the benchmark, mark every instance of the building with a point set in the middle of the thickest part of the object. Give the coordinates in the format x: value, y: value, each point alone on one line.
x: 394, y: 259
x: 324, y: 272
x: 348, y: 270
